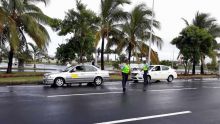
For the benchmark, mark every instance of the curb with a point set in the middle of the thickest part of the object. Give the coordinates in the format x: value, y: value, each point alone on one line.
x: 109, y: 80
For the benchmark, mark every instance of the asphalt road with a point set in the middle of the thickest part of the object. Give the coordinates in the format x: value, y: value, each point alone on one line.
x: 180, y: 102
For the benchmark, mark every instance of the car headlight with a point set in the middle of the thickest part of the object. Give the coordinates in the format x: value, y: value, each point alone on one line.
x: 47, y: 76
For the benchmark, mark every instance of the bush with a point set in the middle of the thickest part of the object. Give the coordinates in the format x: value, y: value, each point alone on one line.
x: 115, y: 64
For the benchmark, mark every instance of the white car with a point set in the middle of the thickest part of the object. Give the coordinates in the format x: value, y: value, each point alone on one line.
x: 76, y: 74
x: 156, y: 72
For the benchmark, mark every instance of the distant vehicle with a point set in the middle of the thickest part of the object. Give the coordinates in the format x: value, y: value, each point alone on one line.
x: 156, y: 72
x: 76, y: 74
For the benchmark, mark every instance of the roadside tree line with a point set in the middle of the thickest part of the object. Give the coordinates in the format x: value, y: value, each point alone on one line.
x: 197, y: 41
x: 19, y: 19
x: 118, y: 29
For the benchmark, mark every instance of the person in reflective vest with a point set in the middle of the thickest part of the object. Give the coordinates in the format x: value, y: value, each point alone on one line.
x: 145, y: 69
x: 125, y: 69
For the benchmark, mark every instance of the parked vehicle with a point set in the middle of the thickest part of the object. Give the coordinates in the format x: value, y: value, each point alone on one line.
x: 156, y: 72
x: 77, y: 74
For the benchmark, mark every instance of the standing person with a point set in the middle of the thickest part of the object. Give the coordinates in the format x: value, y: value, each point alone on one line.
x: 145, y: 69
x: 125, y: 69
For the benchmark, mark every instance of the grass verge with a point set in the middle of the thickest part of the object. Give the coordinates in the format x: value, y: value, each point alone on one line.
x: 21, y: 80
x: 37, y: 77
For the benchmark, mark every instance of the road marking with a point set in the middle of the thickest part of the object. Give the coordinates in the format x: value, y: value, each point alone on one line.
x: 105, y: 93
x: 145, y: 118
x: 175, y: 89
x: 86, y: 94
x: 211, y: 87
x: 178, y: 86
x: 26, y: 86
x: 4, y: 91
x: 111, y: 84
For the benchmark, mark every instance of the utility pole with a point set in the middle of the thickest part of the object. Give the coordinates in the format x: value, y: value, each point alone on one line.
x: 151, y: 31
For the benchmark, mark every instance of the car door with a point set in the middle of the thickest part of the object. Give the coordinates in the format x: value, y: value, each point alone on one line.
x: 90, y: 73
x: 76, y: 74
x: 165, y: 72
x: 156, y: 73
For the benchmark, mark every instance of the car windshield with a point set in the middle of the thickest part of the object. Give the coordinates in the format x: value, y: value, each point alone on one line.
x: 67, y: 69
x: 151, y: 67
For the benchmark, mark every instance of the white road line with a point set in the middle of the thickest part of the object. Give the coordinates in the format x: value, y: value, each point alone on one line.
x: 111, y: 84
x: 86, y: 94
x: 145, y: 118
x: 211, y: 87
x: 178, y: 86
x: 175, y: 89
x: 26, y: 86
x: 114, y: 88
x: 105, y: 93
x: 4, y: 91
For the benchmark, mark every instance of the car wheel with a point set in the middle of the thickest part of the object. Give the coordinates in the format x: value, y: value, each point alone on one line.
x: 170, y: 78
x: 59, y: 82
x: 98, y: 81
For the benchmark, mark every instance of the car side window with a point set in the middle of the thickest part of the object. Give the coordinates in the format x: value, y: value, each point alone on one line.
x: 165, y: 68
x: 157, y: 68
x: 90, y: 69
x: 79, y: 69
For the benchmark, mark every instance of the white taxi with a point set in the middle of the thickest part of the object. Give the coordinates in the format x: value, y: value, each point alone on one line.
x: 76, y: 74
x: 156, y: 72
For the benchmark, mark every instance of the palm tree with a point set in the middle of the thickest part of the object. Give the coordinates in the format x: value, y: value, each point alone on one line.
x: 22, y: 16
x: 135, y: 30
x: 36, y: 51
x: 82, y: 23
x: 110, y: 14
x: 204, y: 21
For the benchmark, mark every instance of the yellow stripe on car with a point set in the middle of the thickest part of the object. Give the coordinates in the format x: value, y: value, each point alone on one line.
x: 74, y: 75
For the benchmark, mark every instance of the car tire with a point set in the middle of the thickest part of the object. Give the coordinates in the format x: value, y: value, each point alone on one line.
x: 98, y: 81
x: 170, y: 78
x: 59, y: 82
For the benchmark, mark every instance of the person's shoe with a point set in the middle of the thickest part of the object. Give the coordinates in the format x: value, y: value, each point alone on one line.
x: 124, y: 89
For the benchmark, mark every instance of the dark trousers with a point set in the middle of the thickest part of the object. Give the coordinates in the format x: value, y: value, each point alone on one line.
x: 124, y: 79
x: 145, y: 78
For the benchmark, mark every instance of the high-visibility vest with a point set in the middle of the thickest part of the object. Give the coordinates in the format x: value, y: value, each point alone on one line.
x: 125, y: 69
x: 145, y: 68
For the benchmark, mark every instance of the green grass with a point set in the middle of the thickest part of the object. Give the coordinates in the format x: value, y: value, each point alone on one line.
x: 20, y: 74
x: 37, y: 77
x: 21, y: 80
x: 16, y: 68
x: 116, y: 77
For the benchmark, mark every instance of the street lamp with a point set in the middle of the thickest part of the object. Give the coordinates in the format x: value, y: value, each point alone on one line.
x: 151, y: 31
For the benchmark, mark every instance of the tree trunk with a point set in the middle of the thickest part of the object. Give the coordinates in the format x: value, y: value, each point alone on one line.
x: 102, y: 53
x: 34, y: 63
x: 81, y: 56
x: 10, y: 61
x: 194, y: 67
x: 202, y: 65
x: 20, y: 65
x: 185, y: 66
x: 108, y: 57
x: 129, y: 53
x: 115, y: 58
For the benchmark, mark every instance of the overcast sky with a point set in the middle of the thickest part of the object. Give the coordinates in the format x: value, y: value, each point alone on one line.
x: 168, y: 13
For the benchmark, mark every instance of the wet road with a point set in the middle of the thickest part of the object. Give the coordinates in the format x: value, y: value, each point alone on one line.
x: 180, y: 102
